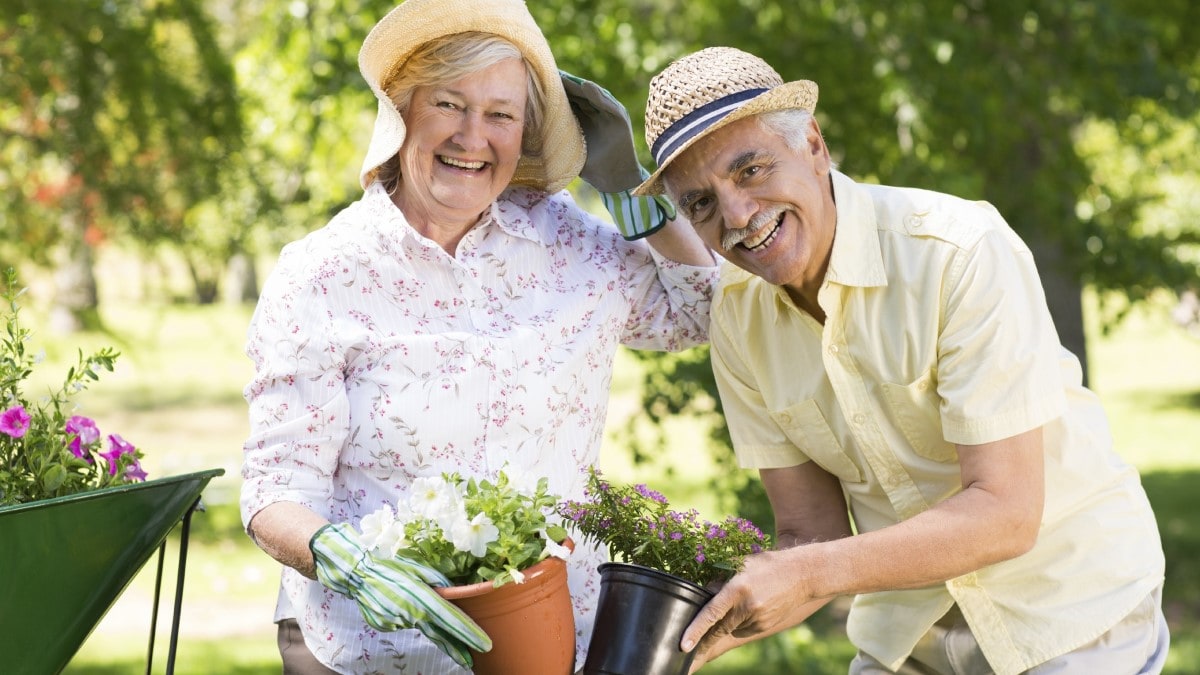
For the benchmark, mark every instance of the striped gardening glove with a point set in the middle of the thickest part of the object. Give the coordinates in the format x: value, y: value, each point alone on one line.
x: 638, y: 217
x: 394, y: 593
x: 612, y: 166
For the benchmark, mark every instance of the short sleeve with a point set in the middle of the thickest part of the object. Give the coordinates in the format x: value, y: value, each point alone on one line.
x: 758, y: 442
x: 998, y: 350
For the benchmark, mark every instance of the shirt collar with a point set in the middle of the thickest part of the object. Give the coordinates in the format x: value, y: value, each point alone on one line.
x: 509, y: 212
x: 857, y: 259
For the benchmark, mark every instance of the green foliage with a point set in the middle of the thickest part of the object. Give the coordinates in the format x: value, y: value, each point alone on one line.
x: 43, y: 454
x: 984, y: 100
x: 120, y: 116
x: 637, y: 526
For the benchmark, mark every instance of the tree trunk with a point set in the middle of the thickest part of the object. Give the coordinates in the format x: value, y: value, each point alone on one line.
x: 76, y: 302
x: 241, y: 280
x: 1064, y: 295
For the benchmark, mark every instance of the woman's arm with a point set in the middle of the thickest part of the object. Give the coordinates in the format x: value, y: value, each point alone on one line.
x: 283, y: 530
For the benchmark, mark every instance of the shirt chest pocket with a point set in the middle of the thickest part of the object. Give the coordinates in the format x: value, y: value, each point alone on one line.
x: 805, y: 426
x: 914, y: 407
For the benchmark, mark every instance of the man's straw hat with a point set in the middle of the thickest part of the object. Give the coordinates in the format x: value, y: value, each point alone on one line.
x: 416, y: 22
x: 704, y: 91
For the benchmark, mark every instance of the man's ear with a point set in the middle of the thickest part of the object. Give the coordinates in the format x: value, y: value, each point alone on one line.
x: 815, y: 144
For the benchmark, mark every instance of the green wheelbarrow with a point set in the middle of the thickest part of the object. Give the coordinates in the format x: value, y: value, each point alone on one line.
x: 64, y: 561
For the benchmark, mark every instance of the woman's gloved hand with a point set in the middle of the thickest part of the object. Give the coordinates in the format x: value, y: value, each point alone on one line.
x: 394, y: 593
x: 612, y: 166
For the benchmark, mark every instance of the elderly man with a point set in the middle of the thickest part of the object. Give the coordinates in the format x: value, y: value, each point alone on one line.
x: 886, y: 360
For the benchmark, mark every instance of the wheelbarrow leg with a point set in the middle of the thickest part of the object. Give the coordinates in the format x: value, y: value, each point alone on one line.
x: 178, y: 609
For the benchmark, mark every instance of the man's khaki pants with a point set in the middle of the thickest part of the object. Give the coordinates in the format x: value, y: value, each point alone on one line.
x: 1135, y: 646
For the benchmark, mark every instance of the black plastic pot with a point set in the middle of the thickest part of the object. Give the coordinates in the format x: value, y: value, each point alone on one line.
x: 640, y: 618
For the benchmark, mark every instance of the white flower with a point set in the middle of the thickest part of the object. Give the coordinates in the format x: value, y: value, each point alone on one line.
x: 554, y: 549
x: 432, y: 497
x: 474, y: 535
x: 373, y: 525
x: 391, y: 540
x: 522, y: 480
x: 517, y: 575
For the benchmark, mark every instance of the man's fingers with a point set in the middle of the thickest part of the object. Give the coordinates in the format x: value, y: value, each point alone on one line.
x: 707, y: 619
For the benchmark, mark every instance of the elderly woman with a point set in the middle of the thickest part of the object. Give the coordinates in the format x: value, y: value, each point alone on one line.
x: 463, y: 315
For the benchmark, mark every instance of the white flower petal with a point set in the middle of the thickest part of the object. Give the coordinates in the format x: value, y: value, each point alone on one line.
x: 375, y: 524
x: 474, y: 535
x: 555, y: 550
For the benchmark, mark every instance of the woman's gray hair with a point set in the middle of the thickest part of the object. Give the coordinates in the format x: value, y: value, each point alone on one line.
x: 449, y: 58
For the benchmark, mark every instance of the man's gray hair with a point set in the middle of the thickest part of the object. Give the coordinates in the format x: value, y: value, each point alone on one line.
x: 791, y: 125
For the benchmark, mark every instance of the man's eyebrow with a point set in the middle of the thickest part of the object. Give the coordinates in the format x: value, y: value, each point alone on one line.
x: 737, y: 163
x: 689, y: 197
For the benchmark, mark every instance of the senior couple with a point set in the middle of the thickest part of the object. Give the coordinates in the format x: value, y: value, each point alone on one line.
x: 884, y: 356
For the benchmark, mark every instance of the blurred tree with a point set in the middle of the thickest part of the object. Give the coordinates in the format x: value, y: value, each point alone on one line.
x: 117, y: 119
x: 308, y: 113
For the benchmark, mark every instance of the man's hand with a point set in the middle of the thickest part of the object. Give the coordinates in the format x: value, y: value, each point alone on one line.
x: 766, y: 597
x: 394, y: 593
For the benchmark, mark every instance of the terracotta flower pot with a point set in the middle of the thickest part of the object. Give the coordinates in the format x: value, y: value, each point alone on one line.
x: 640, y: 619
x: 532, y: 625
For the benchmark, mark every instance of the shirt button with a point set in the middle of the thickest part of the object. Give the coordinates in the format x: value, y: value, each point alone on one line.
x: 860, y: 418
x: 785, y: 418
x: 923, y: 385
x: 914, y: 221
x: 833, y: 349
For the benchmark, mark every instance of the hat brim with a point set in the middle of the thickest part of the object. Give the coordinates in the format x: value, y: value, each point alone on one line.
x: 797, y: 95
x: 416, y: 22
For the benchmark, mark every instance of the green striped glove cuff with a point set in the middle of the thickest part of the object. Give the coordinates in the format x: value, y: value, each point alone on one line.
x: 638, y: 217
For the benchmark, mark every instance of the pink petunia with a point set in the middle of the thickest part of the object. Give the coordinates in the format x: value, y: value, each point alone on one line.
x: 84, y: 432
x: 117, y: 446
x: 15, y: 421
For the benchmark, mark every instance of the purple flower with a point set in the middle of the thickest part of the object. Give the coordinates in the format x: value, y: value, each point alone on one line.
x: 85, y: 433
x: 135, y: 471
x: 15, y: 421
x: 652, y: 495
x: 117, y: 446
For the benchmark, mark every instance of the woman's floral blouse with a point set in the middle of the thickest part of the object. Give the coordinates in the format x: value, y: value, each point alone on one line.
x: 379, y: 358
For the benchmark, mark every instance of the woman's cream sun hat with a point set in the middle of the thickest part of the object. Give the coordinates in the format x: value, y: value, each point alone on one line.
x: 415, y: 22
x: 706, y: 90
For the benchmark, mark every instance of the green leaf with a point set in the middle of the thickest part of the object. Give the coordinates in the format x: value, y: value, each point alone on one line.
x: 556, y: 533
x: 53, y: 477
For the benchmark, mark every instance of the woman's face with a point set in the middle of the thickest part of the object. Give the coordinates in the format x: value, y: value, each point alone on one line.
x: 462, y: 145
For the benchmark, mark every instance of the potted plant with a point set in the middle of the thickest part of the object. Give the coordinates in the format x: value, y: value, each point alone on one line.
x: 495, y: 542
x: 662, y: 561
x: 75, y: 506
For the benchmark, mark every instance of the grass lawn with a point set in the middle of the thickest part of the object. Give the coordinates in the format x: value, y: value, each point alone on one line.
x: 176, y: 393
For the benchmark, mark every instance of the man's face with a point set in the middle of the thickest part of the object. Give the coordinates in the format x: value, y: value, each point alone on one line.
x: 765, y: 206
